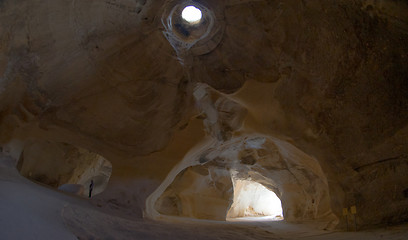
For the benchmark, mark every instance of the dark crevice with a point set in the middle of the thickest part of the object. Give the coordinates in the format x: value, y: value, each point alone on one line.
x: 405, y: 192
x: 358, y: 169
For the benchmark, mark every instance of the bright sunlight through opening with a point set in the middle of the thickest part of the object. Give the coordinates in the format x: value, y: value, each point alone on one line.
x: 192, y: 14
x: 254, y: 202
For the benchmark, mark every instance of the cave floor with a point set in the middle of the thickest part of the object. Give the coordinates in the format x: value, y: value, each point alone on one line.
x: 32, y: 211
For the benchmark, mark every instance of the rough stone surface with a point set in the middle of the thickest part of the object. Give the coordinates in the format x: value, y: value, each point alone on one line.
x: 308, y: 98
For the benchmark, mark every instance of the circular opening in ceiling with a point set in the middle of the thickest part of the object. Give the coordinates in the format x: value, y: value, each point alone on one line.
x: 192, y: 14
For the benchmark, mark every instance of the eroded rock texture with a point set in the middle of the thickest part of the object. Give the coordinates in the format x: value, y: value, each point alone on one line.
x: 296, y: 178
x: 63, y: 166
x: 308, y: 98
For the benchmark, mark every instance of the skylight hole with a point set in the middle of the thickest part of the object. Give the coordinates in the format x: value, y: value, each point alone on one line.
x: 192, y: 14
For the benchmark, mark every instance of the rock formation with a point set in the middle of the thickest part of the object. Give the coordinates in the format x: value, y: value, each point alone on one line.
x: 307, y: 98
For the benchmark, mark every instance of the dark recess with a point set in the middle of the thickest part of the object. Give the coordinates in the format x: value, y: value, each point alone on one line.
x: 405, y: 192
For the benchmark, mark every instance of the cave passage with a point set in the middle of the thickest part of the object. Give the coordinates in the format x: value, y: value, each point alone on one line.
x: 254, y: 202
x: 64, y: 167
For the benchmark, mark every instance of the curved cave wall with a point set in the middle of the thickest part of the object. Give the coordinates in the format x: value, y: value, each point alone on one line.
x: 323, y: 82
x: 64, y: 166
x: 203, y: 193
x: 205, y: 190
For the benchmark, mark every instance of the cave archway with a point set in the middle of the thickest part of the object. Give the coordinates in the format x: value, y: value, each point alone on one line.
x: 202, y: 185
x: 254, y: 202
x: 64, y: 166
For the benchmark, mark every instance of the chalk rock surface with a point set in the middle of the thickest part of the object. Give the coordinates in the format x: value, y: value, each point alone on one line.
x: 307, y: 98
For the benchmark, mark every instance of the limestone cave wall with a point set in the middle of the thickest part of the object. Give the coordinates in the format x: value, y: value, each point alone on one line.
x: 323, y: 83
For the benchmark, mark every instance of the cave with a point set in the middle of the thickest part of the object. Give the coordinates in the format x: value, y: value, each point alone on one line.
x: 254, y: 202
x: 203, y: 119
x: 63, y: 166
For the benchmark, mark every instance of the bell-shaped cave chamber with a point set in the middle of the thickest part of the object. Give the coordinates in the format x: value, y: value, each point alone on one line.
x: 248, y: 177
x: 65, y: 167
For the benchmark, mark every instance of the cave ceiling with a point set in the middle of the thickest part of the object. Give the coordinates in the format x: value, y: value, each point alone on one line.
x: 113, y: 77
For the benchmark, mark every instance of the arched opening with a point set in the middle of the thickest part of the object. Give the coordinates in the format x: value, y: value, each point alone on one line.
x: 238, y: 179
x: 254, y: 202
x: 65, y: 167
x: 211, y: 192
